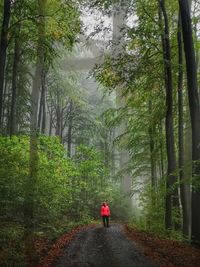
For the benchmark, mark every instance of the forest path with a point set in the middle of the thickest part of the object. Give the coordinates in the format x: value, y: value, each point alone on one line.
x: 102, y: 247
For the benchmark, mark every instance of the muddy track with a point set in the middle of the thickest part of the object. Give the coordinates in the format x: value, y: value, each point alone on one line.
x: 102, y: 247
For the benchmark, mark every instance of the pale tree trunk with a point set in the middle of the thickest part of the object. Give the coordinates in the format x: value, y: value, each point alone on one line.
x: 58, y: 114
x: 61, y: 125
x: 194, y: 113
x: 42, y: 107
x: 5, y: 113
x: 40, y: 112
x: 152, y: 157
x: 69, y: 132
x: 50, y: 119
x: 106, y: 150
x: 118, y: 49
x: 3, y: 48
x: 43, y: 129
x: 33, y: 163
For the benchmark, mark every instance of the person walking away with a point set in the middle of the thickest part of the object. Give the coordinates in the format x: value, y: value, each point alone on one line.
x: 105, y: 214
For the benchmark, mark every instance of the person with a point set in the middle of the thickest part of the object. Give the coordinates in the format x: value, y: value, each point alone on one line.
x: 105, y: 214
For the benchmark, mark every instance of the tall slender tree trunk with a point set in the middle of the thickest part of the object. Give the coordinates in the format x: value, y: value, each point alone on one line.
x: 152, y: 157
x: 106, y: 149
x: 118, y: 48
x: 42, y: 107
x: 69, y: 132
x: 13, y: 113
x: 188, y: 166
x: 33, y: 163
x: 160, y: 128
x: 51, y: 120
x: 40, y: 112
x: 61, y: 125
x: 113, y: 154
x: 171, y: 199
x: 3, y: 48
x: 43, y: 129
x: 58, y: 114
x: 5, y: 109
x: 183, y: 184
x: 194, y: 113
x: 58, y: 120
x: 152, y: 150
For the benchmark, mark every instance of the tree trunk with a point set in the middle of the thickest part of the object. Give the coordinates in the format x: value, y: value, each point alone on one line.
x: 61, y: 125
x: 13, y: 113
x: 51, y: 120
x: 69, y: 133
x: 183, y: 184
x: 171, y: 199
x: 196, y: 39
x: 5, y: 113
x: 152, y: 150
x: 58, y: 120
x: 43, y: 130
x: 188, y: 165
x: 33, y: 163
x: 40, y: 112
x: 106, y: 149
x: 194, y: 113
x: 160, y: 128
x: 58, y: 114
x: 3, y: 48
x: 152, y: 157
x: 42, y: 108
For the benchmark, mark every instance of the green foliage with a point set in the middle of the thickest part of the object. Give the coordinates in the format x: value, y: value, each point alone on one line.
x: 14, y: 157
x: 153, y: 208
x: 67, y: 189
x: 93, y: 183
x: 62, y: 24
x: 121, y: 206
x: 11, y: 243
x: 65, y: 186
x: 59, y: 27
x: 14, y: 172
x: 151, y: 215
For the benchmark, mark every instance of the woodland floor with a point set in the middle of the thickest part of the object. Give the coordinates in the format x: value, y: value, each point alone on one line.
x: 118, y: 246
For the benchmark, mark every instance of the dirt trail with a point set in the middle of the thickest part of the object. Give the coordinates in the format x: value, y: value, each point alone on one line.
x: 102, y: 247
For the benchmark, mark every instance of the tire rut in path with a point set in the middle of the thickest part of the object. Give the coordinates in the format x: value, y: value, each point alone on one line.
x: 102, y: 247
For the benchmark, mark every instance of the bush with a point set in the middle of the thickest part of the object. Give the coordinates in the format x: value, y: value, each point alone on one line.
x: 66, y: 190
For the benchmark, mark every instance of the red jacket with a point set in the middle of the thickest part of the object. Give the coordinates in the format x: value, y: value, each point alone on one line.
x: 105, y: 211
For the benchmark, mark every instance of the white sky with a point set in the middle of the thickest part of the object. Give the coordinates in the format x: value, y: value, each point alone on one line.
x: 97, y: 25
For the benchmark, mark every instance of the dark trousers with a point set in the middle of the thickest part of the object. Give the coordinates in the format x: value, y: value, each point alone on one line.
x: 105, y: 221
